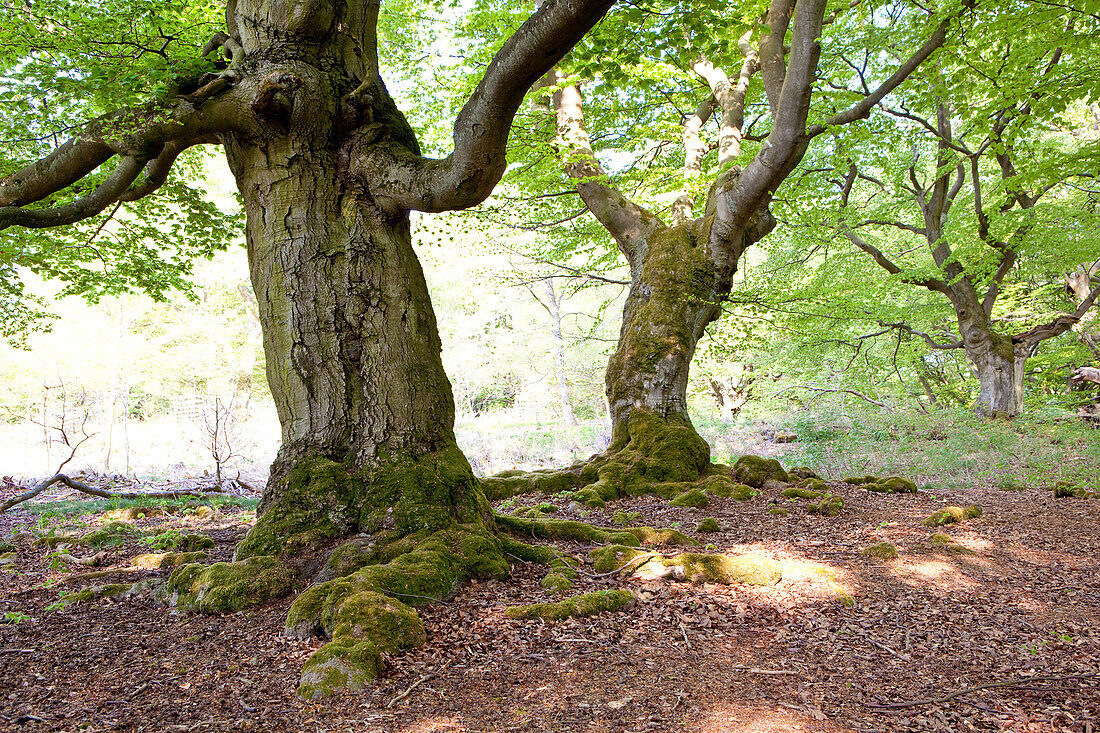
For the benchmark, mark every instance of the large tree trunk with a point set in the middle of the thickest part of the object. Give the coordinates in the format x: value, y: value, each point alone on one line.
x: 998, y: 362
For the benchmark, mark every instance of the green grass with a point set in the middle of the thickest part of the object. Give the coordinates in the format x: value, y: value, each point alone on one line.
x: 947, y: 449
x: 69, y: 507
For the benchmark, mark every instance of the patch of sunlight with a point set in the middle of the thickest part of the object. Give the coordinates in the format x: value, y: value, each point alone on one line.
x: 932, y: 574
x: 435, y: 724
x: 787, y: 719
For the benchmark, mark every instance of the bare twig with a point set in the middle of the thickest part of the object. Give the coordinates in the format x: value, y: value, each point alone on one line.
x: 84, y: 488
x: 414, y: 685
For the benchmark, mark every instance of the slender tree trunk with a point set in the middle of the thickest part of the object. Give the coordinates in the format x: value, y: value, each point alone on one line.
x: 553, y: 308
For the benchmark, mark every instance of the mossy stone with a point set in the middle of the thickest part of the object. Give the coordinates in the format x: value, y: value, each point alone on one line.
x: 589, y: 497
x: 110, y: 590
x: 226, y: 587
x: 803, y: 472
x: 512, y: 483
x: 953, y: 515
x: 797, y: 493
x: 1064, y: 489
x: 555, y: 582
x: 756, y: 471
x: 339, y: 665
x: 814, y: 484
x: 860, y: 480
x: 650, y: 537
x: 880, y: 550
x: 830, y: 507
x: 891, y: 485
x: 708, y: 524
x: 693, y: 498
x: 779, y: 511
x: 155, y: 561
x: 194, y: 543
x: 588, y: 604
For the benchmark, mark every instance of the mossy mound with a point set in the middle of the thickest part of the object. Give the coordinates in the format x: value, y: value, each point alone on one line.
x: 110, y: 590
x: 724, y: 487
x: 814, y: 484
x: 796, y: 493
x: 830, y: 507
x: 891, y: 485
x: 880, y: 551
x: 802, y: 472
x: 651, y: 537
x: 512, y: 483
x: 588, y: 604
x: 708, y: 524
x: 779, y: 511
x: 751, y: 569
x: 691, y: 498
x: 1065, y: 489
x: 946, y: 543
x: 155, y: 561
x: 953, y: 515
x: 110, y: 534
x: 225, y: 587
x: 860, y: 480
x: 355, y: 609
x: 756, y: 471
x: 133, y: 513
x: 555, y: 582
x: 194, y: 543
x: 365, y: 625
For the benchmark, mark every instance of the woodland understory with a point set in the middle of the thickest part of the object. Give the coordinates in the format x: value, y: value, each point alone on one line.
x: 988, y: 623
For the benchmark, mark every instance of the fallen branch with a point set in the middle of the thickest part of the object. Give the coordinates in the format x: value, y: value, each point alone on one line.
x: 414, y: 685
x: 60, y: 478
x: 1006, y: 683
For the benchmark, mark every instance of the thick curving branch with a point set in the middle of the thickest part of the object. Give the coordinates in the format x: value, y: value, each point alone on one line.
x: 103, y: 196
x: 401, y: 179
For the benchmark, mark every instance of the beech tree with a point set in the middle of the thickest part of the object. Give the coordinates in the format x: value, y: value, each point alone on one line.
x: 682, y: 265
x: 984, y: 193
x: 328, y: 170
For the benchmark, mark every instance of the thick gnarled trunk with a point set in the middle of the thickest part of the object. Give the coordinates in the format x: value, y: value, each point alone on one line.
x: 997, y: 361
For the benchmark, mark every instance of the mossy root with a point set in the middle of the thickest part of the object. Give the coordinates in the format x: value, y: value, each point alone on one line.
x: 588, y: 604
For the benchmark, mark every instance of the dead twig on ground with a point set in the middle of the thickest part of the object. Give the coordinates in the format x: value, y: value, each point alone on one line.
x: 414, y: 685
x: 958, y: 693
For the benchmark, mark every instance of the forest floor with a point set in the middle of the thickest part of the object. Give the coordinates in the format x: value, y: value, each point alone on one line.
x: 1001, y: 634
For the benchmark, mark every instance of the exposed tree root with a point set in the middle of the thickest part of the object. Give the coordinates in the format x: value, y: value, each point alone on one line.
x: 588, y: 604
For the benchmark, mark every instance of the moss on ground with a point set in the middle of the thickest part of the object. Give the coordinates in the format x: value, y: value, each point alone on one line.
x: 555, y: 582
x: 891, y: 485
x: 1065, y: 489
x: 656, y: 537
x: 756, y: 471
x: 155, y: 561
x: 797, y: 493
x: 225, y: 587
x: 512, y: 483
x: 692, y: 498
x: 880, y: 551
x: 375, y: 601
x: 708, y: 524
x: 779, y: 511
x: 953, y: 515
x: 110, y: 534
x: 946, y: 543
x: 751, y: 569
x: 588, y: 604
x: 95, y: 592
x: 830, y: 507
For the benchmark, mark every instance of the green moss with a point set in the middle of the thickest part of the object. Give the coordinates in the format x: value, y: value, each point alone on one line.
x: 589, y: 497
x: 708, y: 524
x: 613, y: 557
x: 692, y: 498
x: 778, y: 511
x: 891, y: 485
x: 953, y: 515
x: 860, y: 480
x: 525, y: 552
x: 880, y: 550
x: 756, y: 471
x: 561, y: 529
x: 512, y: 483
x: 945, y: 543
x: 699, y: 567
x: 796, y: 493
x: 555, y: 582
x: 802, y: 472
x: 588, y: 604
x: 1064, y: 489
x: 339, y: 665
x: 95, y: 592
x: 650, y: 536
x: 814, y: 484
x: 225, y: 587
x: 194, y: 543
x: 830, y: 507
x: 133, y: 513
x: 724, y: 487
x: 159, y: 560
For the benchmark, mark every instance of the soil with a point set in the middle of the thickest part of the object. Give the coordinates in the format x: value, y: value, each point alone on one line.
x: 839, y: 636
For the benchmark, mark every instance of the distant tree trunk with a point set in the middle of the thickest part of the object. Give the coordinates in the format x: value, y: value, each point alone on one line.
x: 553, y: 308
x: 731, y: 393
x: 997, y: 361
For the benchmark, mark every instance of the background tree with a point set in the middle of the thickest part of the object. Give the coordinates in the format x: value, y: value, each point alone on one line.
x: 328, y: 169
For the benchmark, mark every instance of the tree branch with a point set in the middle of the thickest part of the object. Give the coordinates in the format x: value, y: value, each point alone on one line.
x: 402, y: 179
